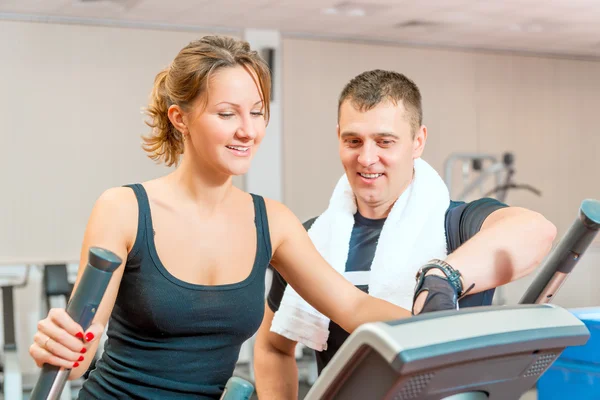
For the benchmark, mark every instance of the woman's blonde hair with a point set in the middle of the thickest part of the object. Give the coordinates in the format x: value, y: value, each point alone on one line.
x: 186, y: 79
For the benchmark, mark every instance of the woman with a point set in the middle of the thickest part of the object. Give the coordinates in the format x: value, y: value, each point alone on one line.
x: 191, y: 290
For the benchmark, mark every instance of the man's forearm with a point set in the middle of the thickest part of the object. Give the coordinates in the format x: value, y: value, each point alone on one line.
x: 276, y: 375
x: 507, y: 249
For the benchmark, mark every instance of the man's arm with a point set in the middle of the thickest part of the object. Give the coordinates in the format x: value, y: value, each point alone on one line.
x: 500, y: 244
x: 511, y: 243
x: 275, y: 369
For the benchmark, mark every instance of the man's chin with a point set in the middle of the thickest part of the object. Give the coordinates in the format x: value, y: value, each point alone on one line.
x: 369, y: 196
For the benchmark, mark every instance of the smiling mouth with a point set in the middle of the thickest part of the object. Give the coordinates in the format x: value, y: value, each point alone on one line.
x: 370, y: 176
x: 238, y: 148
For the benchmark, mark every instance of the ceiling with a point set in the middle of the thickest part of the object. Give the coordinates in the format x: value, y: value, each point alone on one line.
x: 559, y: 27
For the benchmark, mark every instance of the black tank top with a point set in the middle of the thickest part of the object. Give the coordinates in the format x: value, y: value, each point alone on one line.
x: 170, y: 339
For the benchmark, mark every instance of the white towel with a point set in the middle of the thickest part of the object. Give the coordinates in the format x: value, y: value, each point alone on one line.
x: 413, y: 233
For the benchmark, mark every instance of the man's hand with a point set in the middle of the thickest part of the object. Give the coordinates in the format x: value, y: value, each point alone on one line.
x: 434, y: 294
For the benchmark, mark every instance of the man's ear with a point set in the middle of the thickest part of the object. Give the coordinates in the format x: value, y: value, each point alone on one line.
x: 419, y: 142
x: 337, y: 128
x: 177, y: 118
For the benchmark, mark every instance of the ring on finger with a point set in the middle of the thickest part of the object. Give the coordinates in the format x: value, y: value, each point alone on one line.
x: 46, y: 343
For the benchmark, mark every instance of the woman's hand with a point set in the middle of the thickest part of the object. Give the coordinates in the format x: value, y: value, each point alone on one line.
x: 61, y: 341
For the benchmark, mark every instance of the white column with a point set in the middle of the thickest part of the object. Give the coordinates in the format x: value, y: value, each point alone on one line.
x: 265, y: 176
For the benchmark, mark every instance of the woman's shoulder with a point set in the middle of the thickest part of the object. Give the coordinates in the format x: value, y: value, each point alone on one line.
x: 118, y: 199
x: 282, y: 221
x: 277, y: 209
x: 116, y: 211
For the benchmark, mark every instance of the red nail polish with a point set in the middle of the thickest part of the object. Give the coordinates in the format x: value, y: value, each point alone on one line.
x: 76, y: 365
x: 80, y: 358
x: 79, y: 335
x: 89, y: 337
x: 83, y: 350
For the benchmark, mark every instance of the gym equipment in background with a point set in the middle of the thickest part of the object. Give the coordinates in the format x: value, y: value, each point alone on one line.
x: 496, y: 352
x: 82, y: 308
x: 15, y: 277
x: 484, y: 167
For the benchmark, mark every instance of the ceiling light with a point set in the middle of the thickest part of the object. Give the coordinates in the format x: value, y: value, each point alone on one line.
x: 532, y: 27
x: 330, y: 11
x: 348, y: 12
x: 356, y: 12
x: 351, y: 8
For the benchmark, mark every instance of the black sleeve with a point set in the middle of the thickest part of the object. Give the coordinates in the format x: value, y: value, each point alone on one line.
x: 279, y: 284
x: 475, y: 214
x: 464, y: 222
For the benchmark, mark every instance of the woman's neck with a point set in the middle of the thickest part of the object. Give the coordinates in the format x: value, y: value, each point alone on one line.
x: 200, y: 185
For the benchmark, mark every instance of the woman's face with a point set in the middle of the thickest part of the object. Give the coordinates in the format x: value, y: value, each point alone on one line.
x: 227, y: 126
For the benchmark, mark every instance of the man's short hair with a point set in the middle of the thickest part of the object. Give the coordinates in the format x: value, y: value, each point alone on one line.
x: 370, y: 88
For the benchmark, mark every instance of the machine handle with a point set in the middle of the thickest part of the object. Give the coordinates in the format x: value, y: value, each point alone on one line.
x: 565, y: 256
x: 81, y: 308
x: 237, y: 389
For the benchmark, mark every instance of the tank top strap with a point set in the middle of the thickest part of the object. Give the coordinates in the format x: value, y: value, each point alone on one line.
x: 262, y: 221
x: 143, y: 218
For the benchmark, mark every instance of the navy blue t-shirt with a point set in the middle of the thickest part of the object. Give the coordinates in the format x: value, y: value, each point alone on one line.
x: 463, y: 221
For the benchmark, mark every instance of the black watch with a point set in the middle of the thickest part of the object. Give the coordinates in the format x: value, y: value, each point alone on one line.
x: 453, y: 275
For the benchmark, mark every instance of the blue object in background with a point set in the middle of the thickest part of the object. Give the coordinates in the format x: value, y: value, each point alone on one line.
x: 576, y: 373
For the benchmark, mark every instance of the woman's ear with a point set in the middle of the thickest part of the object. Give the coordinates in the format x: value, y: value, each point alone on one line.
x: 177, y: 118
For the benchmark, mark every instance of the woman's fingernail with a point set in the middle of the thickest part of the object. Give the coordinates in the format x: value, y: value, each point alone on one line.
x: 79, y: 335
x: 80, y: 358
x: 76, y: 365
x: 83, y: 350
x: 89, y: 337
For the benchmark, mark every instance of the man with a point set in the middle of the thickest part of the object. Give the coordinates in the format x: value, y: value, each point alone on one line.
x: 381, y: 139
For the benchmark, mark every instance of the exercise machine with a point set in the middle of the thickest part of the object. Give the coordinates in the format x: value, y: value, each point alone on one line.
x: 479, y: 353
x: 477, y: 169
x: 11, y: 278
x: 82, y: 308
x: 470, y: 354
x: 56, y: 292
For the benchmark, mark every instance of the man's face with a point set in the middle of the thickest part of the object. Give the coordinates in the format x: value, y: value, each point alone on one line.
x: 377, y: 150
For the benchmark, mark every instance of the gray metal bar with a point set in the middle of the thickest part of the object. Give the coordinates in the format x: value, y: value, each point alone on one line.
x: 565, y: 256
